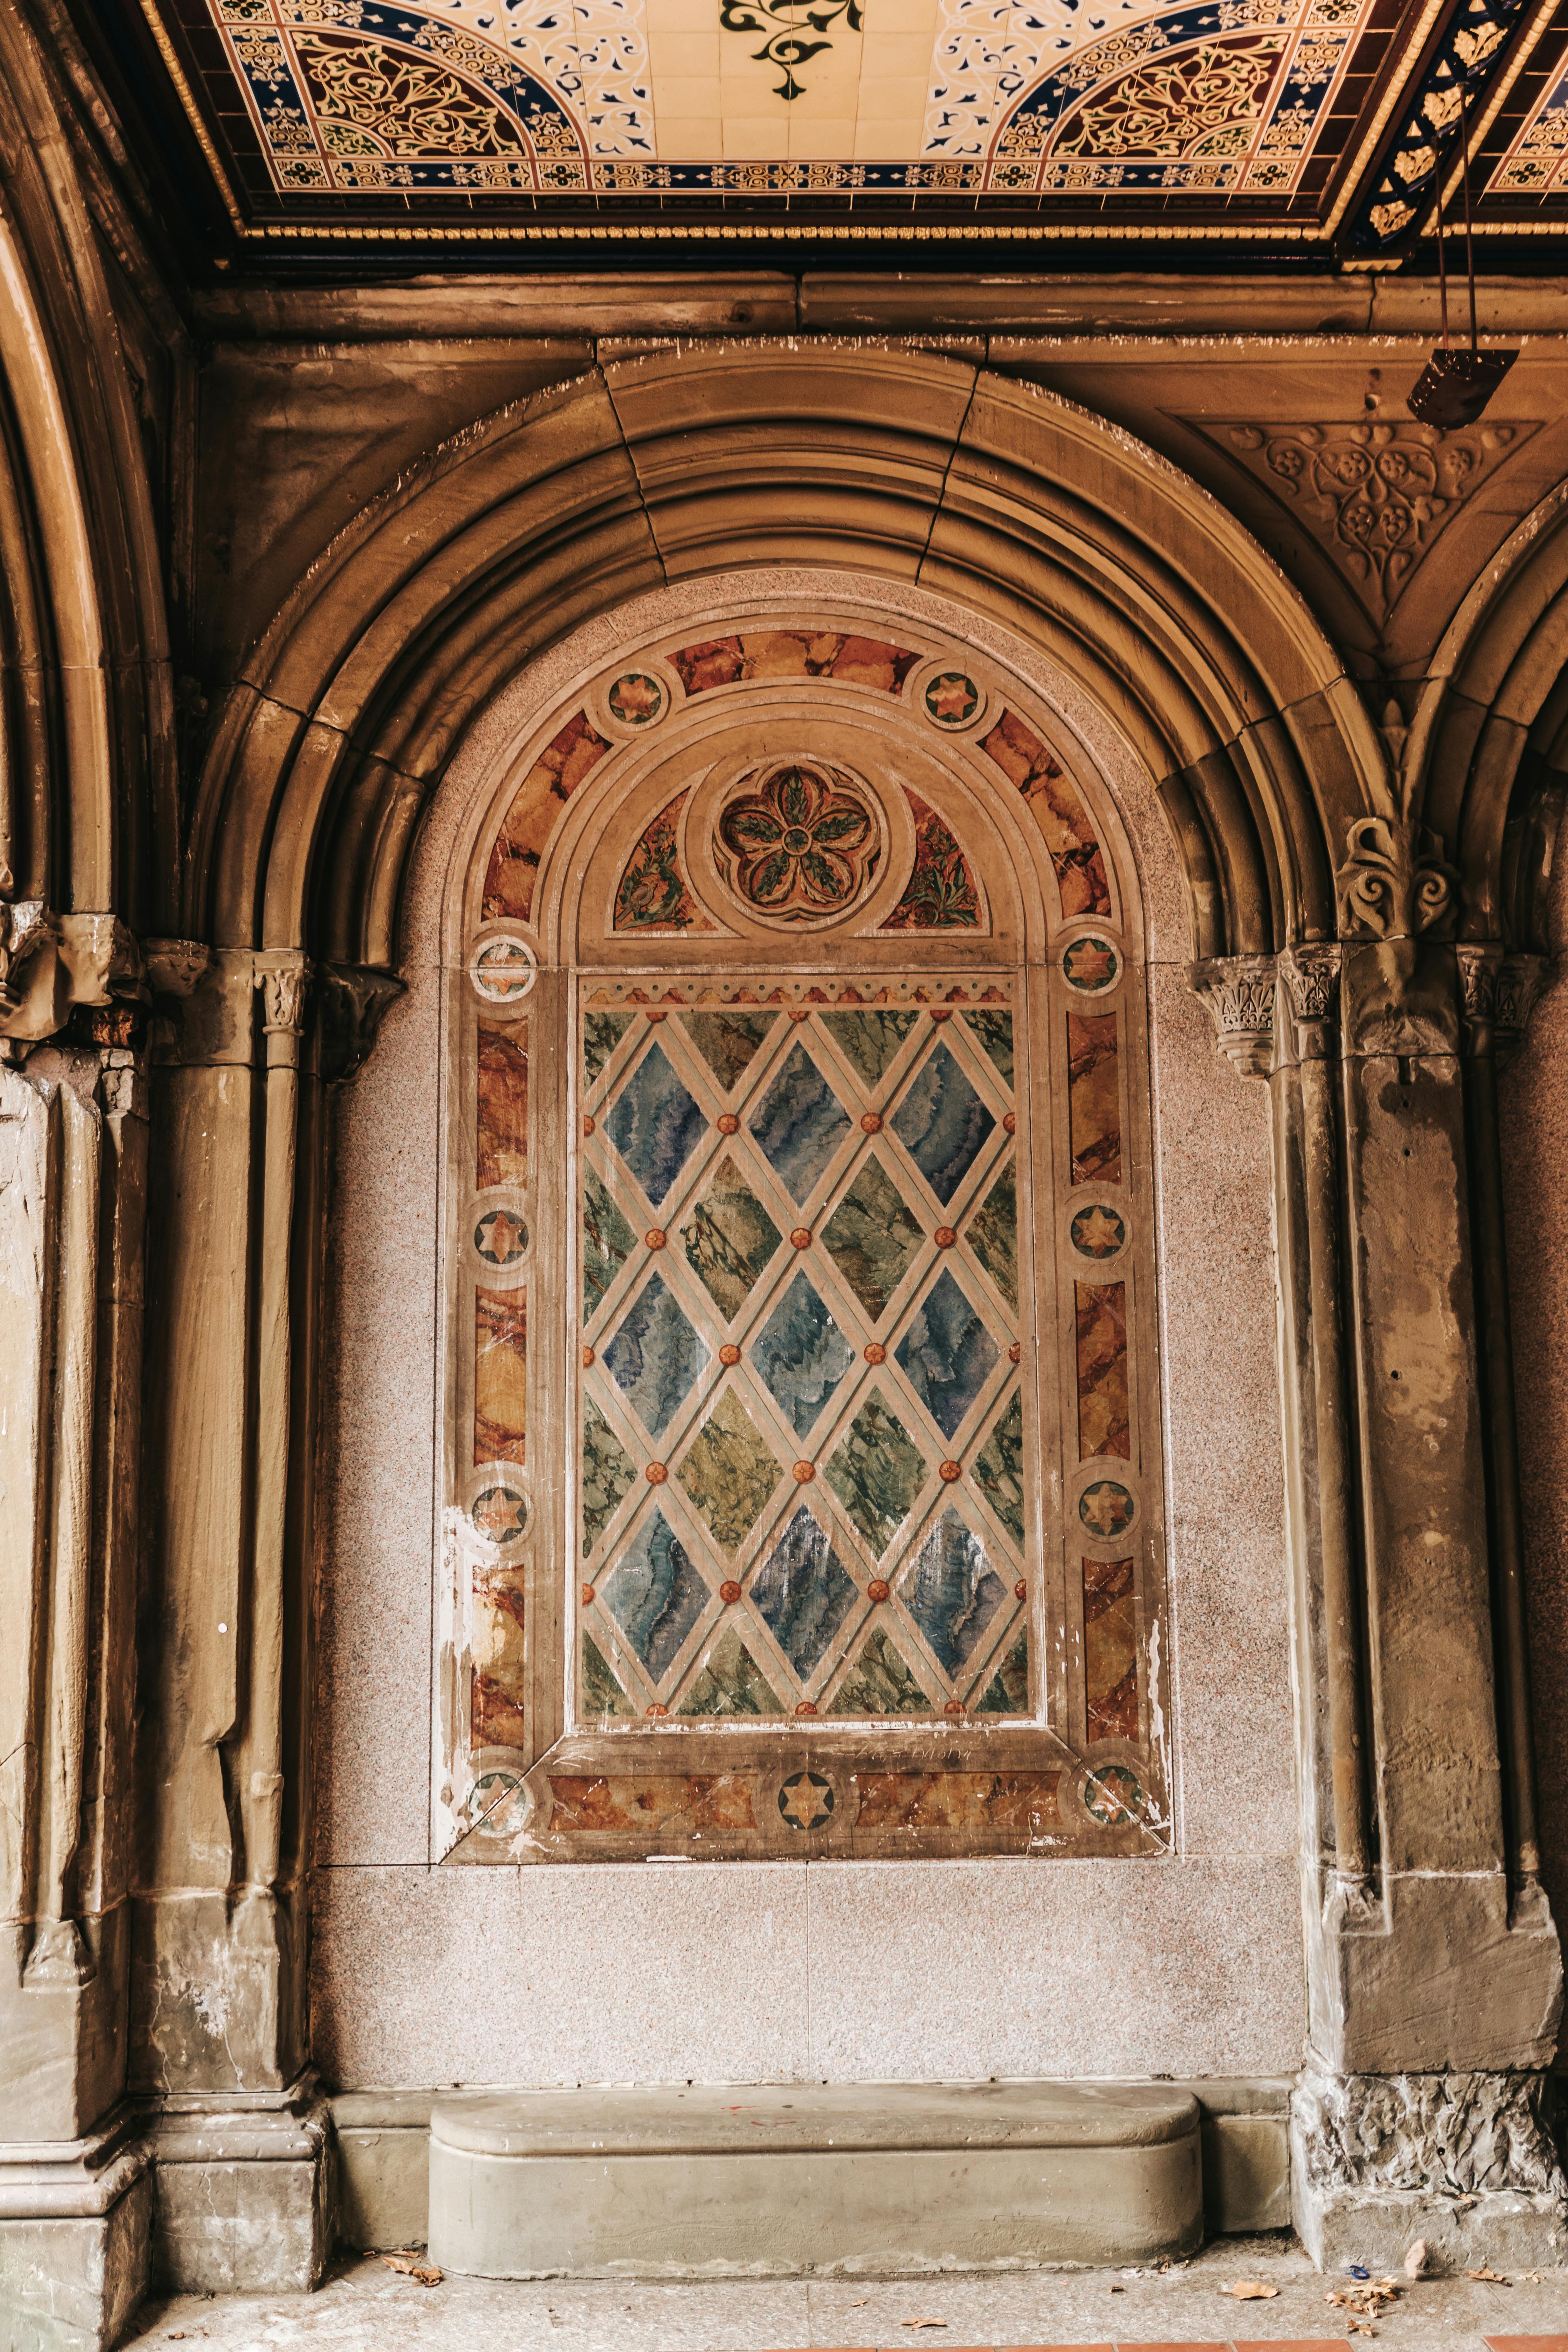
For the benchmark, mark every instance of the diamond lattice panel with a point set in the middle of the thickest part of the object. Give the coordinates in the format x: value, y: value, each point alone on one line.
x: 799, y: 1435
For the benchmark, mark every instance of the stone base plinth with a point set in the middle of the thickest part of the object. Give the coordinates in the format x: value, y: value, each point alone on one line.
x: 246, y: 2195
x: 75, y: 2227
x: 799, y: 2180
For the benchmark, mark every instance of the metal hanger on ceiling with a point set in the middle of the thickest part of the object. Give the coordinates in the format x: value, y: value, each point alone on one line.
x: 1454, y: 387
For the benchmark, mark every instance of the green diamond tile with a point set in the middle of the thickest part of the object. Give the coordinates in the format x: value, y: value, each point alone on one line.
x: 998, y: 1468
x: 607, y: 1242
x: 601, y: 1694
x: 1007, y: 1692
x: 876, y: 1472
x: 727, y: 1042
x: 992, y: 1235
x: 872, y: 1236
x: 729, y: 1473
x: 880, y: 1684
x: 994, y: 1031
x: 602, y: 1032
x: 606, y: 1474
x: 869, y: 1042
x: 728, y: 1239
x: 731, y: 1682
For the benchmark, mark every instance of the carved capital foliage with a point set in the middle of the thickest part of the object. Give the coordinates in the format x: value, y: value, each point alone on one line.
x: 1309, y: 978
x: 1519, y: 979
x: 1458, y: 2134
x: 1239, y: 993
x: 1395, y: 883
x: 25, y: 925
x: 353, y: 999
x: 174, y: 967
x: 102, y: 957
x: 283, y: 976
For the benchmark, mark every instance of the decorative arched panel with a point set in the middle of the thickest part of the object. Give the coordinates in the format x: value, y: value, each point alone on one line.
x: 802, y: 1461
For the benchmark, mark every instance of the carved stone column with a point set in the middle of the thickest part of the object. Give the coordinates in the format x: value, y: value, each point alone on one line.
x: 1434, y: 1969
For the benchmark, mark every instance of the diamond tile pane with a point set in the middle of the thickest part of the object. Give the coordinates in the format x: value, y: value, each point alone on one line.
x: 998, y: 1469
x: 655, y: 1596
x: 803, y: 1593
x: 880, y: 1684
x: 607, y: 1242
x: 602, y: 1032
x: 876, y: 1472
x: 992, y: 1235
x: 729, y: 1473
x: 946, y: 1354
x: 656, y: 1357
x: 869, y: 1042
x: 952, y: 1590
x: 728, y: 1239
x: 994, y: 1031
x: 799, y: 1124
x: 601, y: 1692
x: 1007, y: 1692
x: 727, y: 1042
x: 802, y: 1355
x: 606, y: 1474
x: 942, y: 1123
x: 655, y: 1125
x: 731, y: 1682
x: 871, y: 1238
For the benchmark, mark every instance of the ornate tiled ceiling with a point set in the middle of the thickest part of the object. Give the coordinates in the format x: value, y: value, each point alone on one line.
x: 1294, y: 123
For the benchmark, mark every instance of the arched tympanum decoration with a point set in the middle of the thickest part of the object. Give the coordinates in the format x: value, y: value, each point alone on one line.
x: 996, y: 493
x: 801, y: 1442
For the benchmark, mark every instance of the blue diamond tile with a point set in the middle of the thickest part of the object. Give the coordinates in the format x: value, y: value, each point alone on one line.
x: 799, y: 1124
x: 952, y: 1590
x: 655, y: 1357
x: 655, y: 1125
x: 655, y: 1596
x: 946, y: 1353
x: 801, y: 1355
x: 803, y: 1593
x: 941, y: 1124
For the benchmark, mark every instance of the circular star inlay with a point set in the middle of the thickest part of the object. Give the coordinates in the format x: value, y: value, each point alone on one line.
x: 1091, y: 964
x: 500, y: 1238
x: 499, y: 1512
x: 636, y: 700
x: 805, y: 1799
x: 1105, y: 1507
x: 1113, y: 1796
x: 1097, y: 1233
x: 497, y: 1799
x: 951, y: 698
x: 504, y: 970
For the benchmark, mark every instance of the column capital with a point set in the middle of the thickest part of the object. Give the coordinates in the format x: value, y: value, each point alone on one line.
x: 1239, y: 993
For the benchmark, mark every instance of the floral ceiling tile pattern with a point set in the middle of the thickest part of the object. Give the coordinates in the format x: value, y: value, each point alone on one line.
x: 633, y: 98
x: 800, y: 1456
x: 652, y: 895
x: 939, y: 894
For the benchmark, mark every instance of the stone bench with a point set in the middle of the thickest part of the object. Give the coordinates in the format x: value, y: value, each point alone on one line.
x: 876, y: 2179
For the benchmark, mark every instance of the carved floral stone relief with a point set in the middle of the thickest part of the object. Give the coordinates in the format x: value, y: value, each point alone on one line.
x: 815, y: 1117
x: 1375, y: 497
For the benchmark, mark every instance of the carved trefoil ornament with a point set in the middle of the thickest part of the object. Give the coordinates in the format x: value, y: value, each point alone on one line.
x: 1375, y: 497
x: 1239, y: 993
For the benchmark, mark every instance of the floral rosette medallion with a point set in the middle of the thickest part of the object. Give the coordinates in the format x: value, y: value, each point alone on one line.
x: 803, y: 843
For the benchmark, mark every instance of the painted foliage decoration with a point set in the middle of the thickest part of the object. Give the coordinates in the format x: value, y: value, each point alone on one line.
x: 773, y: 1339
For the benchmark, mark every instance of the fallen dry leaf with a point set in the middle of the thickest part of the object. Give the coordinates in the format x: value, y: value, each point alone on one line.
x: 1417, y: 2258
x: 1531, y: 2278
x: 414, y: 2266
x: 923, y: 2323
x: 1251, y: 2291
x: 1489, y: 2276
x: 1119, y: 2290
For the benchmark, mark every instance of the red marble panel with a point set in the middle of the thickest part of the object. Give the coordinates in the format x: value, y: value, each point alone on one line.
x: 1102, y: 1408
x: 701, y: 1801
x: 939, y: 894
x: 792, y: 653
x: 529, y: 822
x: 501, y: 1085
x: 1109, y: 1649
x: 1094, y: 1098
x: 1070, y: 838
x: 956, y: 1801
x: 498, y: 1719
x: 500, y: 1375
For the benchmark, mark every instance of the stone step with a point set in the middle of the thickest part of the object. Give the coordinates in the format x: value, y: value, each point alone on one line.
x: 869, y: 2179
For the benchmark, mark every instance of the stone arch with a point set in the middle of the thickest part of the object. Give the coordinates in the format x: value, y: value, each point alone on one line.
x: 920, y: 466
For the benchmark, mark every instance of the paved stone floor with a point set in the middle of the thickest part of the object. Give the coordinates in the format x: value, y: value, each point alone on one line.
x: 366, y: 2307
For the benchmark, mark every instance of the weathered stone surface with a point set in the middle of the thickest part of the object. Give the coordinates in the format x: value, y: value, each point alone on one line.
x: 245, y: 2197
